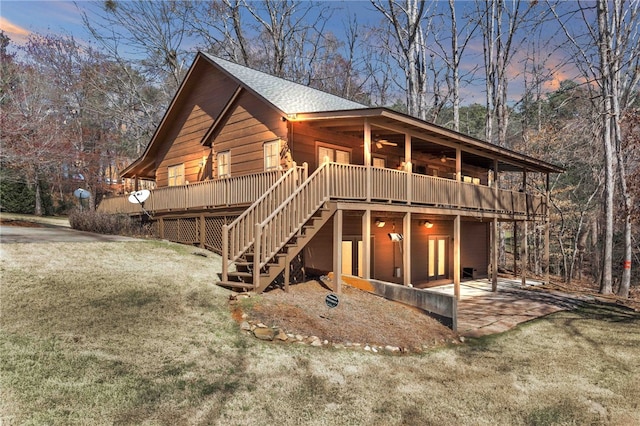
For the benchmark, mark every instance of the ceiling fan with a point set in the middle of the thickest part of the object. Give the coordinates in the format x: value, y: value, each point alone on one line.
x: 379, y: 142
x: 444, y: 158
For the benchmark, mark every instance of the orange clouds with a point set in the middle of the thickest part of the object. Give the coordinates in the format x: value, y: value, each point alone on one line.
x: 16, y: 33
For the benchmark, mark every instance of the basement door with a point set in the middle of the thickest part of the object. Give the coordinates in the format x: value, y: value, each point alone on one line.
x: 352, y: 260
x: 437, y: 262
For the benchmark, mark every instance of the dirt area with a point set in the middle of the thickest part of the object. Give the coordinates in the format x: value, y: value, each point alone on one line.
x: 360, y: 317
x: 364, y: 318
x: 21, y: 223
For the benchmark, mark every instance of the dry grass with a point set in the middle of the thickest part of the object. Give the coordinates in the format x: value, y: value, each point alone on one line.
x: 135, y: 332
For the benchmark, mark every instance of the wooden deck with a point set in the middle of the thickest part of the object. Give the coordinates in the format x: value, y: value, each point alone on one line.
x: 339, y: 182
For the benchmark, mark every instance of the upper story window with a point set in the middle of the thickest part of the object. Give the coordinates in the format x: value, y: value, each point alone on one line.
x: 333, y: 154
x: 224, y: 164
x: 176, y: 175
x: 379, y: 162
x: 272, y: 155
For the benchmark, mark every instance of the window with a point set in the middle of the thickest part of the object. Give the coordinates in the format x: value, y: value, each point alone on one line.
x: 272, y: 155
x: 224, y: 164
x: 176, y: 175
x: 378, y: 162
x: 329, y: 154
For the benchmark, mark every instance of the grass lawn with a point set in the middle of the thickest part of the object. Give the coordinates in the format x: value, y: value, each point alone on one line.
x: 136, y: 333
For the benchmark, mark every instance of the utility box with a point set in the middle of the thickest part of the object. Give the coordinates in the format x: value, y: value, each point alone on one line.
x: 469, y: 273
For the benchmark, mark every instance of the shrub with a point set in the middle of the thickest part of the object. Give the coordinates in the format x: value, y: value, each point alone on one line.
x: 103, y: 223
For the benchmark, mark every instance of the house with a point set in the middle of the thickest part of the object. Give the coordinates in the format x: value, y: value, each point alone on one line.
x: 284, y: 180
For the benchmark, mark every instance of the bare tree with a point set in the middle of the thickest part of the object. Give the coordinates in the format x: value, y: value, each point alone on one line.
x: 406, y: 19
x: 501, y: 23
x: 613, y: 66
x: 32, y: 125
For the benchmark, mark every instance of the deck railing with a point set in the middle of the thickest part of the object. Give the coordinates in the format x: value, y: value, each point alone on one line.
x: 342, y: 181
x: 350, y: 182
x: 212, y: 193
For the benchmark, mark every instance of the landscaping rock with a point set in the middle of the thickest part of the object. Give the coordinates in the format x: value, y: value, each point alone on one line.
x: 264, y: 333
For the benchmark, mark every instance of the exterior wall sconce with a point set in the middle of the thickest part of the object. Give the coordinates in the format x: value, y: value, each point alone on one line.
x: 427, y: 224
x: 380, y: 223
x: 395, y: 237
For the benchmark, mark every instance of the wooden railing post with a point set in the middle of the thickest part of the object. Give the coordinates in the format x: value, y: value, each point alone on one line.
x: 225, y: 252
x: 257, y: 237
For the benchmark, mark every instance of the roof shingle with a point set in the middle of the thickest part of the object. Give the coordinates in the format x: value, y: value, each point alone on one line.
x: 287, y: 96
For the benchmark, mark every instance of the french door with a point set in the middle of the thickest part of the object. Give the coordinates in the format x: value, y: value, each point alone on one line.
x: 437, y: 263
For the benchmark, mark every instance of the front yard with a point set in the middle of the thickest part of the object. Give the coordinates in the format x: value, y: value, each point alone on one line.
x: 136, y: 332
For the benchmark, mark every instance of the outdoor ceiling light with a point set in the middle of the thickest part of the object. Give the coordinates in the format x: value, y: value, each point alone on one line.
x: 427, y: 224
x: 380, y: 223
x: 443, y: 159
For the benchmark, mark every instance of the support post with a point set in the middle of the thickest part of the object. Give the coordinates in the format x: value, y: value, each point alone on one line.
x: 456, y: 257
x: 546, y: 236
x: 225, y: 252
x: 256, y: 256
x: 161, y: 228
x: 337, y: 251
x: 514, y: 248
x: 406, y: 251
x: 494, y: 229
x: 408, y: 162
x: 367, y: 156
x: 366, y: 245
x: 287, y: 274
x: 203, y: 231
x: 523, y: 254
x: 494, y: 255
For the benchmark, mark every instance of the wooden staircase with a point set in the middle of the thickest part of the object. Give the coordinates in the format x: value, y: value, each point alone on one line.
x: 261, y: 243
x: 243, y: 277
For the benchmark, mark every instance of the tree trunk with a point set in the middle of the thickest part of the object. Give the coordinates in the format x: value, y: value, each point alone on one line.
x: 38, y: 209
x: 604, y: 46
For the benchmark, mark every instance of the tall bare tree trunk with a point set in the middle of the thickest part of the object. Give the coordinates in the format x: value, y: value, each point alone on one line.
x: 604, y: 48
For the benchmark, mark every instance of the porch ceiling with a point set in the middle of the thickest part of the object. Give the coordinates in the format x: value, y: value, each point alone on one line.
x: 426, y: 138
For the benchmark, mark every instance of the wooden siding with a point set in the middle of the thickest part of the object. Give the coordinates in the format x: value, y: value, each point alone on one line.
x: 474, y: 247
x: 250, y: 124
x: 319, y: 255
x: 303, y: 145
x: 200, y: 104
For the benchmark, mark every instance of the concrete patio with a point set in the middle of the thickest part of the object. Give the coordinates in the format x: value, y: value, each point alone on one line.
x: 482, y: 312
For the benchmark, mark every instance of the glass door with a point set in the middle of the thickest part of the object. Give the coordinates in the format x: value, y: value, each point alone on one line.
x: 437, y: 262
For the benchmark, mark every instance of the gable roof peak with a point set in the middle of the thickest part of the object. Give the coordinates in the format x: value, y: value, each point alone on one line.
x: 285, y: 95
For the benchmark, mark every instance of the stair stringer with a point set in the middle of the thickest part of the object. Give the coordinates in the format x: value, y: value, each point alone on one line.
x: 292, y: 249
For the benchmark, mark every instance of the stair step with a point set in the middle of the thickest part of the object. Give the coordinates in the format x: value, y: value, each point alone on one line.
x: 235, y: 284
x: 241, y: 274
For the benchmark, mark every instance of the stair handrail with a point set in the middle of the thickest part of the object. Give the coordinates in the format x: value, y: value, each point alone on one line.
x: 238, y: 236
x: 292, y: 213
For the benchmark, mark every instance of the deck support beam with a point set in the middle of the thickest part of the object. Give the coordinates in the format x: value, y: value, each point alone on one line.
x: 494, y: 255
x: 367, y: 156
x: 524, y: 253
x: 406, y: 251
x: 366, y: 245
x: 287, y: 274
x: 546, y: 236
x: 494, y: 230
x: 456, y: 257
x: 337, y: 251
x: 408, y: 166
x: 514, y: 248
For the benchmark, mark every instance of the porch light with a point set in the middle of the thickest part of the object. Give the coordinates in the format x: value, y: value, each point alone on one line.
x: 380, y: 223
x: 443, y: 159
x: 427, y: 224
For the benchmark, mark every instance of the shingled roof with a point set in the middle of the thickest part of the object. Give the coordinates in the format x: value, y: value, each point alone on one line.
x: 287, y: 96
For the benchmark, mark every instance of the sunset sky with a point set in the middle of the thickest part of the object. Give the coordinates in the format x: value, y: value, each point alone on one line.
x: 18, y: 19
